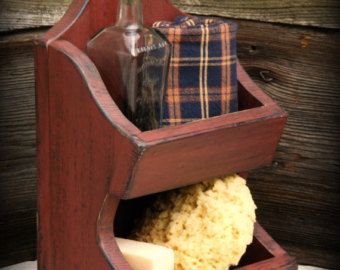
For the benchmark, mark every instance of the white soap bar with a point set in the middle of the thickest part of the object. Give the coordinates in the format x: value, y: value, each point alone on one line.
x: 146, y: 256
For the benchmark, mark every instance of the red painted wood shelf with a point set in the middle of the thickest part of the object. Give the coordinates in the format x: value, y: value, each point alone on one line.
x: 90, y: 157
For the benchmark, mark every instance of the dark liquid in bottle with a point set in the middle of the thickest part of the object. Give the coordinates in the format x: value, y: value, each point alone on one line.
x: 134, y: 70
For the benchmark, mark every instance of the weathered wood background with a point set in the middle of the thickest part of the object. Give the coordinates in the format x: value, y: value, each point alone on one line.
x: 290, y: 48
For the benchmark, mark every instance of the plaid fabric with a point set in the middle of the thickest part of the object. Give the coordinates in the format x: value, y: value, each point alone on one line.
x: 202, y: 79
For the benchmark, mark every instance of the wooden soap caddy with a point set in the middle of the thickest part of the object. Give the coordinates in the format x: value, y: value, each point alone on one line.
x: 90, y: 156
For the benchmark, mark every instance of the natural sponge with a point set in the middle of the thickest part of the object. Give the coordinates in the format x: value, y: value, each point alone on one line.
x: 208, y: 225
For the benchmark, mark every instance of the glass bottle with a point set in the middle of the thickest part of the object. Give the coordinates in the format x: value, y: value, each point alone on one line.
x: 133, y: 61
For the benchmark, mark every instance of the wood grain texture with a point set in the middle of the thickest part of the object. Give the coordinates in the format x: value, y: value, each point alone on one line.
x: 22, y: 39
x: 298, y: 197
x: 320, y: 13
x: 23, y: 14
x: 17, y: 155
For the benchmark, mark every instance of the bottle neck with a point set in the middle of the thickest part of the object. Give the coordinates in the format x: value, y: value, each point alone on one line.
x: 130, y: 13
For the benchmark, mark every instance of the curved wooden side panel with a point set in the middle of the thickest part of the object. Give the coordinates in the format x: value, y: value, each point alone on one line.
x: 96, y: 89
x: 86, y: 148
x: 106, y: 237
x: 245, y: 82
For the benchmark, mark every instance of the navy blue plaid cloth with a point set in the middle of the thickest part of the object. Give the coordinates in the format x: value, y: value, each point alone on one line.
x: 202, y: 80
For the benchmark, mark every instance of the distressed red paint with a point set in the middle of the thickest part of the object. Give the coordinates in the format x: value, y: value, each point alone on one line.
x: 90, y: 156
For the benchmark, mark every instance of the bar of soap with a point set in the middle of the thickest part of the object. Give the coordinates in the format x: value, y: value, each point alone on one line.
x: 146, y: 256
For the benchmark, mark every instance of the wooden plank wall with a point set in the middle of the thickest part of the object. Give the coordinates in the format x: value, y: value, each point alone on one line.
x: 17, y: 152
x: 290, y: 48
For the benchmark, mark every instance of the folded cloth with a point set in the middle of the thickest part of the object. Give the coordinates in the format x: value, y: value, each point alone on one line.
x: 202, y: 79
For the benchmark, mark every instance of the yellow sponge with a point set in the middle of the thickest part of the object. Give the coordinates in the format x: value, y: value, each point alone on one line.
x: 208, y: 225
